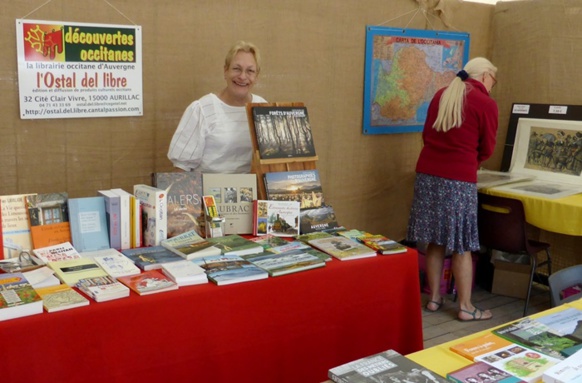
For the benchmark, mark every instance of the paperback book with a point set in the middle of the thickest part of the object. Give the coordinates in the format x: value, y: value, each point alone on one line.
x: 534, y: 334
x: 131, y: 225
x: 479, y: 372
x: 61, y: 297
x: 17, y: 297
x: 42, y: 276
x: 113, y: 262
x: 190, y: 245
x: 49, y: 219
x: 15, y: 225
x: 290, y: 261
x: 567, y: 371
x: 185, y: 273
x: 235, y: 245
x: 386, y: 366
x: 382, y: 244
x: 88, y: 223
x: 302, y: 186
x: 154, y: 207
x: 313, y: 235
x: 317, y: 219
x: 283, y: 132
x: 58, y: 252
x: 342, y: 248
x: 113, y: 217
x: 227, y: 269
x: 278, y: 218
x: 480, y: 345
x: 149, y: 282
x: 103, y: 289
x: 184, y: 192
x: 71, y: 270
x: 234, y: 195
x: 149, y: 258
x: 521, y: 362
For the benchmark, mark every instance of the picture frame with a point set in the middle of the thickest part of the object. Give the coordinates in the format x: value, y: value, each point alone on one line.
x: 403, y: 70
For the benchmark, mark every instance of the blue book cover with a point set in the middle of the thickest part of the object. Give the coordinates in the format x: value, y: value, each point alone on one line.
x: 227, y: 269
x: 113, y: 214
x: 88, y: 223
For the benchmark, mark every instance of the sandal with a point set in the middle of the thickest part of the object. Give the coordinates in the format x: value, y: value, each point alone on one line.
x: 474, y: 316
x: 437, y: 304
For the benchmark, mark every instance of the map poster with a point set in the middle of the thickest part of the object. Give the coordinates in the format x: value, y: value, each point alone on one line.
x: 403, y: 70
x: 72, y: 70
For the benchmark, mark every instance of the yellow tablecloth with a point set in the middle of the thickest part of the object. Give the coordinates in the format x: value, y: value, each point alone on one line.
x: 562, y: 215
x: 442, y: 360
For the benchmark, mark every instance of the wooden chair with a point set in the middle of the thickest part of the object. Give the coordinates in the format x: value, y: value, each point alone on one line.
x: 502, y: 226
x: 562, y: 279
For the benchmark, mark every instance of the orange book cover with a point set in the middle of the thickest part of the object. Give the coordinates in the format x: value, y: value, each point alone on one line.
x: 48, y: 218
x: 480, y: 345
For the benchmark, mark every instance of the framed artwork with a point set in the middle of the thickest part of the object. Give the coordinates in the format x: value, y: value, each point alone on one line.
x: 403, y: 70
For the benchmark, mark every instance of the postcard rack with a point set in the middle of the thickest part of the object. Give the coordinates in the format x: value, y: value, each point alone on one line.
x: 261, y: 166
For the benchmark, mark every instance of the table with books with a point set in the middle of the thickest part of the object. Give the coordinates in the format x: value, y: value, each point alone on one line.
x: 442, y: 359
x: 290, y: 328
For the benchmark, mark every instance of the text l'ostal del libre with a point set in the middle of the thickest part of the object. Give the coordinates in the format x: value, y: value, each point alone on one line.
x: 108, y: 80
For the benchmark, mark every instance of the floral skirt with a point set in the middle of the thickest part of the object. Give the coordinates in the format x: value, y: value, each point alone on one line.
x: 444, y: 212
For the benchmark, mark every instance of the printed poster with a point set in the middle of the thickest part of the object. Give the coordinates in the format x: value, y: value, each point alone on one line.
x: 75, y: 70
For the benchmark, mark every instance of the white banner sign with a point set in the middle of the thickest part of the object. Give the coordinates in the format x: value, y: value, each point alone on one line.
x: 73, y: 70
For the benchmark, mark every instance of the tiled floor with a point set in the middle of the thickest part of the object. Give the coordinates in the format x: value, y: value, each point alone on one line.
x: 442, y: 326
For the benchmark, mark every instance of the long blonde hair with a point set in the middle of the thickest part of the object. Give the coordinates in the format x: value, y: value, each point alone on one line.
x: 450, y: 114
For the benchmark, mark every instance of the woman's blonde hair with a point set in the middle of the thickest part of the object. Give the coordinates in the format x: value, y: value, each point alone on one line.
x: 450, y: 113
x: 243, y: 46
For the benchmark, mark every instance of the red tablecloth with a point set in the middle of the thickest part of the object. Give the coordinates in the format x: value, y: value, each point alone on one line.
x: 291, y: 328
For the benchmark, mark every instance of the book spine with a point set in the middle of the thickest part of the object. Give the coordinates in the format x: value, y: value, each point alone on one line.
x: 125, y: 221
x: 161, y: 211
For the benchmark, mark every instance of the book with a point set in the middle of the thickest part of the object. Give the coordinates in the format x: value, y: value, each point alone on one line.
x: 342, y: 248
x: 534, y: 334
x: 382, y: 244
x: 235, y: 245
x: 353, y: 234
x: 131, y: 235
x: 283, y: 132
x: 59, y: 252
x: 480, y: 345
x: 185, y: 273
x: 102, y: 289
x: 48, y: 216
x: 234, y: 195
x: 303, y: 186
x: 154, y: 207
x: 227, y: 269
x: 386, y: 366
x: 71, y: 270
x: 210, y: 209
x: 125, y: 207
x: 88, y: 223
x: 287, y: 262
x: 15, y: 225
x: 317, y: 219
x: 17, y: 297
x: 519, y: 361
x: 278, y: 218
x: 566, y: 371
x: 190, y: 245
x: 481, y: 372
x: 184, y: 191
x: 149, y: 282
x: 41, y: 277
x: 491, y: 178
x: 113, y: 217
x: 269, y: 241
x: 113, y: 262
x: 306, y: 237
x: 61, y: 297
x: 152, y: 257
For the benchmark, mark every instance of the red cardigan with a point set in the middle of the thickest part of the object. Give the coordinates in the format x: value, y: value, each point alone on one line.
x: 457, y: 154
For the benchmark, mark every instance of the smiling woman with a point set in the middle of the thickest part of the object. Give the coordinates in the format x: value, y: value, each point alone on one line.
x: 213, y: 134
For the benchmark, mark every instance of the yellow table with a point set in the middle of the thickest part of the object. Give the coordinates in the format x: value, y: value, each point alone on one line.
x: 442, y: 360
x: 562, y: 215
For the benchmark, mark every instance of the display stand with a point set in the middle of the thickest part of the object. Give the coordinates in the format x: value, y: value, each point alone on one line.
x: 261, y: 166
